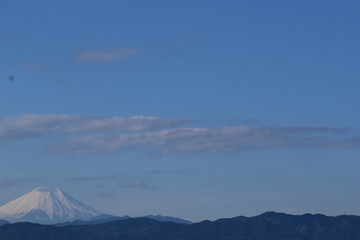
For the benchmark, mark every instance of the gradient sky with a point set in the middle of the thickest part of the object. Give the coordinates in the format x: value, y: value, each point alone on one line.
x: 194, y: 109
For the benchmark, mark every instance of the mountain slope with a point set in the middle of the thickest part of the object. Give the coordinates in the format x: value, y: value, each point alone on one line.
x: 46, y: 205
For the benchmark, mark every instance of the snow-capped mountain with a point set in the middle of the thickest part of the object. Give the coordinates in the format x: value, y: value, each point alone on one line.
x: 46, y: 205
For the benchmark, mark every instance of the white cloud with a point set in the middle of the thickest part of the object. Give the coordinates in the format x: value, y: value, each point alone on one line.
x: 111, y: 55
x: 158, y: 135
x: 26, y: 126
x: 190, y: 140
x: 135, y: 123
x: 33, y: 125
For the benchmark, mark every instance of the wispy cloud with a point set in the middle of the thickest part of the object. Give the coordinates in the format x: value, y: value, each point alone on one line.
x: 223, y: 139
x: 33, y: 66
x: 158, y: 171
x: 91, y: 178
x: 136, y: 184
x: 106, y: 194
x: 110, y: 55
x: 86, y: 135
x: 33, y: 125
x: 246, y: 121
x: 26, y: 126
x: 11, y: 182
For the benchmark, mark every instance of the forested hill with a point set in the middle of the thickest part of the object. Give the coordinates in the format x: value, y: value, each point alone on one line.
x: 268, y: 226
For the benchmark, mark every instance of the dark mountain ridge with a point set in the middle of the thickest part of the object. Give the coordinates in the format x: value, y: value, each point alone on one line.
x: 267, y: 226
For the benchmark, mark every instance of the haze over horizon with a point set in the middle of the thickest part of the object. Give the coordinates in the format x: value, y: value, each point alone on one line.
x: 191, y: 109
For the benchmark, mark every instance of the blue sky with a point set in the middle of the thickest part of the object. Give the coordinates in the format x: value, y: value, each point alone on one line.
x: 194, y: 109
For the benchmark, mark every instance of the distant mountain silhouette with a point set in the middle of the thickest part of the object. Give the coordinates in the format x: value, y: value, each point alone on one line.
x: 168, y: 219
x: 103, y: 218
x: 267, y: 226
x: 3, y: 222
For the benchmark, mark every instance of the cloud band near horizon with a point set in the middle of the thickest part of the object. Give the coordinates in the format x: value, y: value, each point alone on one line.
x: 32, y: 125
x: 84, y: 135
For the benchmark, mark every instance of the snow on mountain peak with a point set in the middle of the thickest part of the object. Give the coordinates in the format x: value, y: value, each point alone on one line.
x: 46, y: 205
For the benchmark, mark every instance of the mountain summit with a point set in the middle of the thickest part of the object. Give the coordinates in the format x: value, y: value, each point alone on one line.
x: 46, y: 205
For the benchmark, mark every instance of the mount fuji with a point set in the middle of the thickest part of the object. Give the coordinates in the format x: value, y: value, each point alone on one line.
x: 46, y: 205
